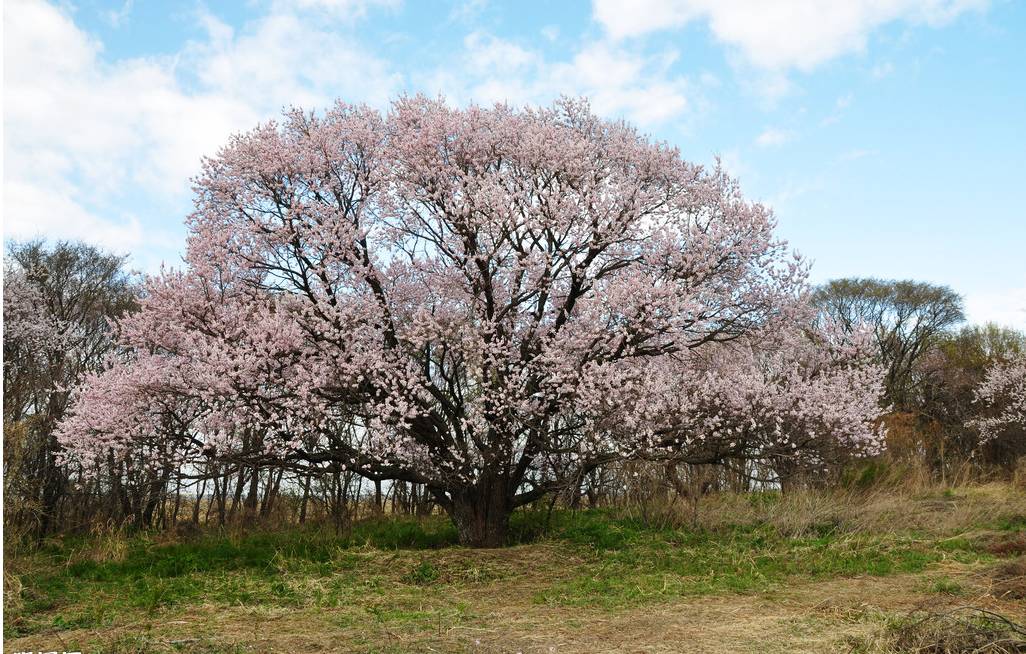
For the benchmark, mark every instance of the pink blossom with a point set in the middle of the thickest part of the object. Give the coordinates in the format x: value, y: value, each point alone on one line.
x: 468, y: 291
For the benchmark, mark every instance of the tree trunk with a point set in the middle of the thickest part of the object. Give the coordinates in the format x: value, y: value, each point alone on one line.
x: 178, y: 501
x: 787, y: 473
x: 270, y: 492
x: 250, y: 505
x: 306, y: 498
x: 198, y: 502
x: 379, y: 505
x: 481, y: 514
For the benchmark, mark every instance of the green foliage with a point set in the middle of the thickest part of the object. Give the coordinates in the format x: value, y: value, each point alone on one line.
x: 945, y: 586
x: 403, y: 533
x: 1011, y: 523
x: 906, y: 317
x: 423, y: 573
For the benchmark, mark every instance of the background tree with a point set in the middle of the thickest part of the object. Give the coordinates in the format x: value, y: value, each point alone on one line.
x: 1003, y: 392
x: 950, y: 376
x: 59, y: 302
x: 795, y: 402
x: 907, y: 318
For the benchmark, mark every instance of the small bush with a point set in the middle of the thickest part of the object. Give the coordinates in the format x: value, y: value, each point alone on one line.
x: 947, y: 587
x: 424, y: 573
x: 962, y: 631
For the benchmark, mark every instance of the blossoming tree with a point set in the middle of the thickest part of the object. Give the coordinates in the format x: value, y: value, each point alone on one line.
x: 792, y: 400
x: 1003, y: 393
x: 473, y: 291
x: 59, y: 300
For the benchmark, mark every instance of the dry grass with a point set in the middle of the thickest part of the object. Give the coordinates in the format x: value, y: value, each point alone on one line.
x: 962, y: 630
x: 1010, y: 580
x: 667, y: 586
x: 930, y: 510
x: 501, y: 617
x: 108, y: 543
x: 1006, y: 543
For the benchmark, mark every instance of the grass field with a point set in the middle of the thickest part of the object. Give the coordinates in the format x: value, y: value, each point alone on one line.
x: 757, y: 573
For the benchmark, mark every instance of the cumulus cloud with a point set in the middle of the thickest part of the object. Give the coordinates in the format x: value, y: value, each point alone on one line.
x: 87, y: 135
x: 619, y: 81
x: 281, y: 59
x: 83, y: 133
x: 778, y: 34
x: 32, y: 212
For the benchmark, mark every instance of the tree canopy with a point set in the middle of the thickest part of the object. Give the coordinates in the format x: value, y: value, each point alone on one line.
x: 485, y: 301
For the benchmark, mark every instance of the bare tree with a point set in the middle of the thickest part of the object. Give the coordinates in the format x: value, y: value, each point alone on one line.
x: 907, y: 317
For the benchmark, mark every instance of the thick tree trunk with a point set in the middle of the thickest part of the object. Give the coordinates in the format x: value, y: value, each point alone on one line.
x: 481, y: 514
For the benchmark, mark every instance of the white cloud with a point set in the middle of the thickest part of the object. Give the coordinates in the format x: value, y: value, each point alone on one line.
x: 617, y: 80
x: 83, y: 133
x: 858, y: 153
x: 343, y: 9
x: 32, y: 212
x: 773, y: 137
x: 87, y: 135
x: 281, y: 60
x: 778, y: 34
x: 792, y: 189
x: 733, y: 163
x: 840, y: 106
x: 768, y: 86
x: 467, y: 11
x: 118, y: 17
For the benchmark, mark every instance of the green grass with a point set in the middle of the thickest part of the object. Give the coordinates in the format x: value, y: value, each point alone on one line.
x: 406, y: 571
x: 63, y: 590
x: 630, y: 564
x: 403, y: 580
x: 1012, y: 523
x: 399, y: 585
x: 945, y: 586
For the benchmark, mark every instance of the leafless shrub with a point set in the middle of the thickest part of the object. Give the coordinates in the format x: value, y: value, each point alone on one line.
x: 963, y: 630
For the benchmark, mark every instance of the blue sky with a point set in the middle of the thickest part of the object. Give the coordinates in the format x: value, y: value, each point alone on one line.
x: 889, y: 136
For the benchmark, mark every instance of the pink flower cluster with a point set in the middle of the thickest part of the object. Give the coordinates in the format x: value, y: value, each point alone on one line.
x: 472, y: 292
x: 1004, y: 392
